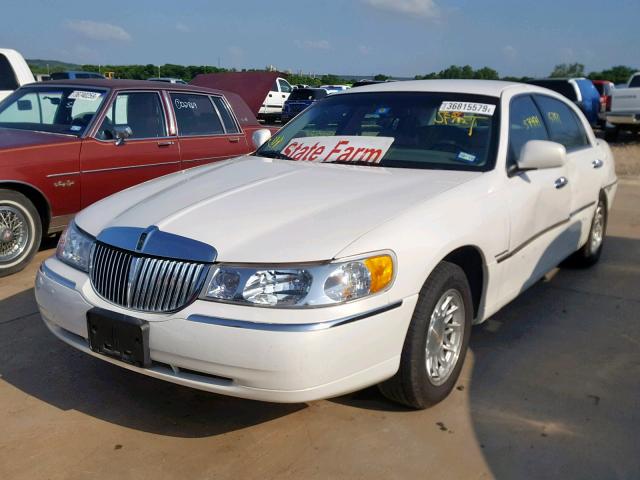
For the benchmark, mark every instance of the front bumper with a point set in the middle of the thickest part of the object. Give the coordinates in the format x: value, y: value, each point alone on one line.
x: 263, y: 354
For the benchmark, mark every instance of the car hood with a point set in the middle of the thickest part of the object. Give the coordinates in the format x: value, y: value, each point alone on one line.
x: 14, y: 138
x: 254, y: 209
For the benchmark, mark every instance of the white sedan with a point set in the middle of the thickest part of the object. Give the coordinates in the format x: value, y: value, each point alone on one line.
x: 356, y: 247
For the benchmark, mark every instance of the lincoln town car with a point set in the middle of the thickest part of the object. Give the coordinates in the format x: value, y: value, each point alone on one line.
x: 357, y: 246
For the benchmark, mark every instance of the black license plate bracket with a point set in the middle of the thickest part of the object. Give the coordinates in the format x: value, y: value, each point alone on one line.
x: 119, y: 336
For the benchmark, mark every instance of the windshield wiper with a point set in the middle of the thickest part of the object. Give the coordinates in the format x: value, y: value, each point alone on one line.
x: 273, y: 154
x: 355, y: 162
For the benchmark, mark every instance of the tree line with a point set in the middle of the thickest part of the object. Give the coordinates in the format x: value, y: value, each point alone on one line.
x: 616, y: 74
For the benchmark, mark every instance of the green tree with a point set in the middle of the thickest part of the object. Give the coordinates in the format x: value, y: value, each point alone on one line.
x: 568, y: 70
x: 617, y: 74
x: 486, y: 73
x: 381, y: 77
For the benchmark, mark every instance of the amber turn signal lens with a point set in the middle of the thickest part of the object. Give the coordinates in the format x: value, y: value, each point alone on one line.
x: 381, y: 270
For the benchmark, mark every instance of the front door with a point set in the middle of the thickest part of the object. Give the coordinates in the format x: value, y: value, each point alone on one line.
x: 107, y: 167
x: 539, y: 203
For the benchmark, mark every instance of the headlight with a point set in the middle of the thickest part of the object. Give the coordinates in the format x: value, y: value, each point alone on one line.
x: 74, y: 248
x: 304, y: 286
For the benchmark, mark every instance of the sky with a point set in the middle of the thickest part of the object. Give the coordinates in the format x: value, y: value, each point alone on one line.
x: 351, y: 37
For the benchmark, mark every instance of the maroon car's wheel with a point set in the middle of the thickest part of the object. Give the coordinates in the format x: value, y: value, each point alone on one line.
x: 20, y: 231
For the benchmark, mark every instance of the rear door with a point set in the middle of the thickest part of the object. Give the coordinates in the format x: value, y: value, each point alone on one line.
x: 150, y: 152
x: 538, y: 203
x: 584, y: 161
x: 207, y: 129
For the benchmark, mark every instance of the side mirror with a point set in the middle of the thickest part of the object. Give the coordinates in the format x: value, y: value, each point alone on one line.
x: 260, y: 137
x: 121, y: 133
x: 539, y: 154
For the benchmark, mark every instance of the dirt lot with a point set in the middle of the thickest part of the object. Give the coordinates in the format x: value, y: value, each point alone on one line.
x: 627, y: 153
x: 550, y: 390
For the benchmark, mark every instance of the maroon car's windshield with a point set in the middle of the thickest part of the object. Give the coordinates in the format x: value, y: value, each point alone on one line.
x: 53, y: 109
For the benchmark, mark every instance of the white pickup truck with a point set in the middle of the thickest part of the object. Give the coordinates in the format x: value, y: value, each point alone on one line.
x: 271, y: 109
x: 14, y: 72
x: 625, y: 108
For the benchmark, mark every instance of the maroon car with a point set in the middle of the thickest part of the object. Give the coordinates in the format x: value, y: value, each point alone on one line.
x: 65, y: 145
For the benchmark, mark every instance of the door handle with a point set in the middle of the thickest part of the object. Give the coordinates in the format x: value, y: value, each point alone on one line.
x: 561, y: 182
x: 597, y: 163
x: 234, y: 140
x: 166, y: 144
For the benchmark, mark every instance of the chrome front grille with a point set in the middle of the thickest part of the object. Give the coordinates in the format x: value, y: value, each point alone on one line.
x: 143, y: 283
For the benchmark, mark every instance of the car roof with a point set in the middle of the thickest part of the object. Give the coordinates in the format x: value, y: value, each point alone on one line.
x: 126, y: 84
x: 493, y: 88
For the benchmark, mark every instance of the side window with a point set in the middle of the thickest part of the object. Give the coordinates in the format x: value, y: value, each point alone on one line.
x: 635, y: 82
x: 284, y: 86
x: 8, y: 80
x: 141, y: 111
x: 195, y: 115
x: 563, y: 124
x: 227, y: 118
x: 525, y: 123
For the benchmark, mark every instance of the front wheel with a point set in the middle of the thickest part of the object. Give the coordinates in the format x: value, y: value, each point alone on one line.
x: 436, y: 342
x: 20, y: 231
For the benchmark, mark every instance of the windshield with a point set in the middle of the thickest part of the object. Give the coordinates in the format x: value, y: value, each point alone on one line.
x: 393, y: 129
x: 67, y: 110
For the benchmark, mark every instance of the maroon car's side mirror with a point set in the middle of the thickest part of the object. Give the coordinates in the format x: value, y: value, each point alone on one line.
x: 121, y: 133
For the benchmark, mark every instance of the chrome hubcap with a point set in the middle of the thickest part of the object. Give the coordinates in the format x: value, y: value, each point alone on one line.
x: 444, y: 337
x: 597, y: 230
x: 13, y: 233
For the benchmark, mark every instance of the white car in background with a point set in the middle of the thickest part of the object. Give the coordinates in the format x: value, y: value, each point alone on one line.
x: 625, y: 108
x: 14, y: 72
x: 335, y: 88
x: 271, y: 109
x: 356, y: 247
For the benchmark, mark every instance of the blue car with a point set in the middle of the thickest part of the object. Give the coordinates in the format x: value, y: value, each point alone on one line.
x: 74, y: 75
x: 300, y: 99
x: 581, y: 91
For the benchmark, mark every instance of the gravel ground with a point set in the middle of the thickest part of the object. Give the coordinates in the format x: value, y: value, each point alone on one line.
x: 627, y: 155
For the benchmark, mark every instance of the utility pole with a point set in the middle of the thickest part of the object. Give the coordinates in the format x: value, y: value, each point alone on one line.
x: 158, y: 71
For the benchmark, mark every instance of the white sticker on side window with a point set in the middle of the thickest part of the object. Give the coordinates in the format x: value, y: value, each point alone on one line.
x: 83, y: 95
x: 468, y: 107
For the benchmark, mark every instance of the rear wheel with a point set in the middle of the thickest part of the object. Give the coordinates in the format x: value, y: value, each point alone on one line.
x: 20, y: 231
x: 590, y: 252
x: 436, y: 342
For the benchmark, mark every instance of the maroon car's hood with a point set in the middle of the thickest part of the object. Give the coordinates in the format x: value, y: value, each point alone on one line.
x: 10, y: 138
x: 253, y: 87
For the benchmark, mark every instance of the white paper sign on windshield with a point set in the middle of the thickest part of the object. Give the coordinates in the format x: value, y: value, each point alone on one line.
x: 338, y: 149
x: 84, y: 95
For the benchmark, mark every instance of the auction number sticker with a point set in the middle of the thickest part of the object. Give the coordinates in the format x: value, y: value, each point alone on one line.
x: 83, y: 95
x: 468, y: 107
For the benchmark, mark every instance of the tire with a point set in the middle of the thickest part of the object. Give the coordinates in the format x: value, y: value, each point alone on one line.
x: 412, y: 385
x: 590, y: 252
x: 611, y: 134
x: 20, y: 231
